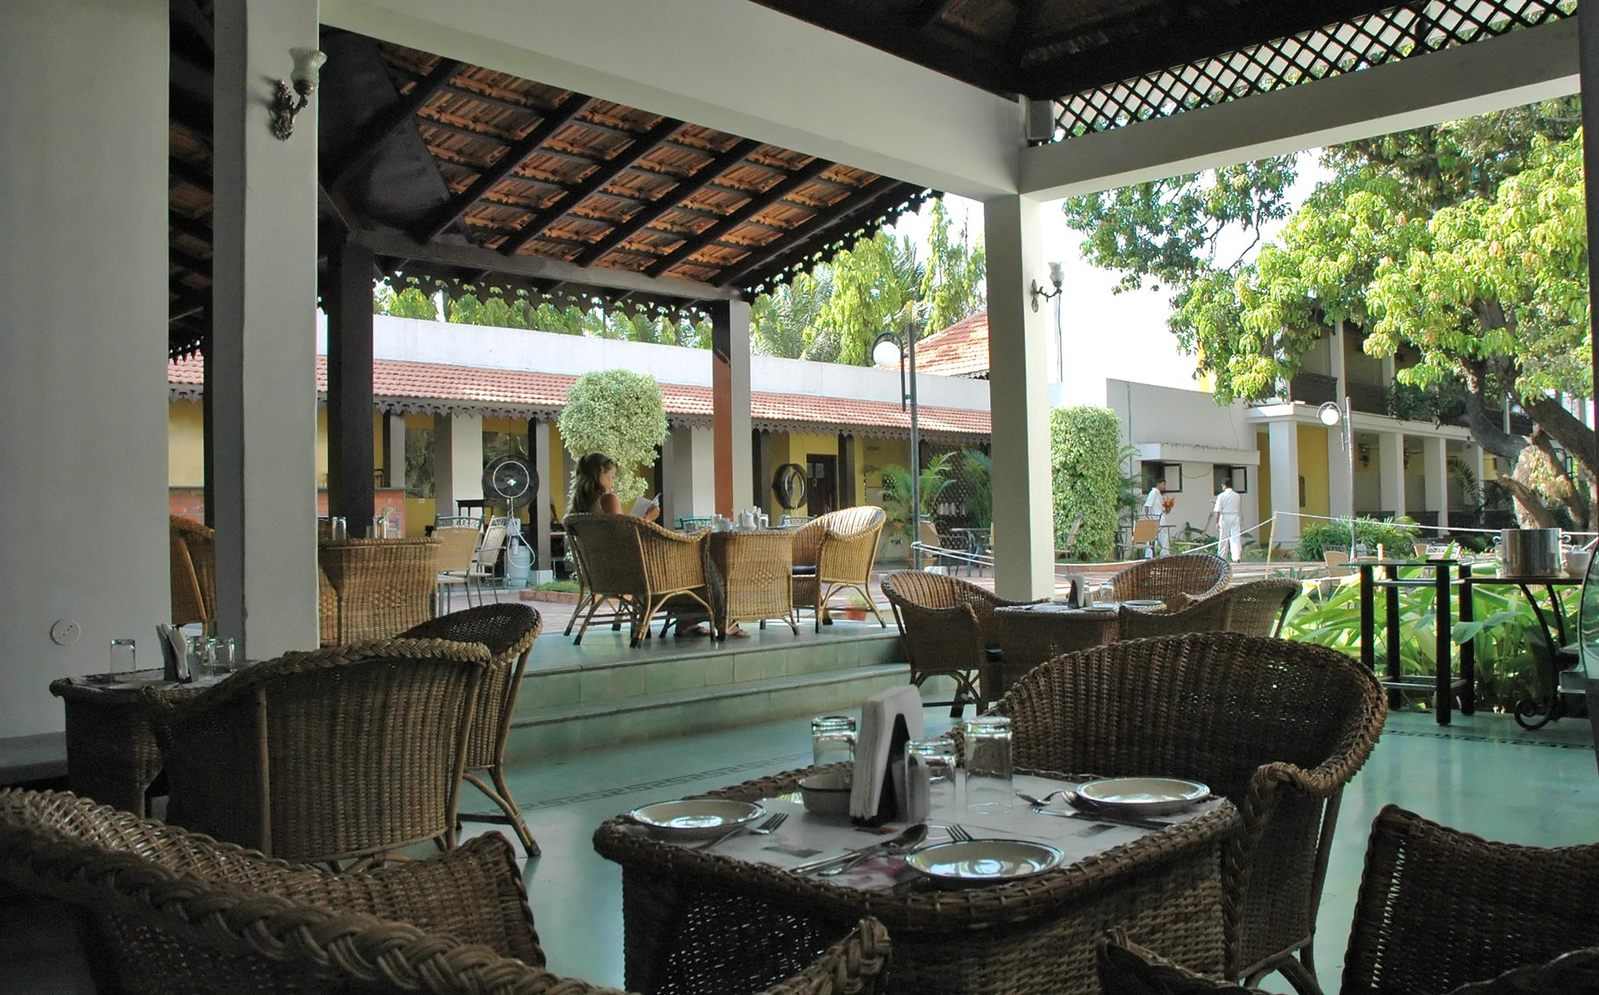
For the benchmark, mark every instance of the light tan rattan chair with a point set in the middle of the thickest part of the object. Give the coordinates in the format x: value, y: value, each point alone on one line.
x: 1254, y: 609
x: 834, y: 553
x: 586, y: 598
x: 198, y: 544
x: 1276, y: 727
x: 646, y: 568
x: 457, y: 552
x: 341, y: 753
x: 179, y: 912
x: 1197, y: 575
x: 375, y: 588
x: 949, y: 629
x: 1438, y: 911
x: 753, y: 577
x: 508, y: 632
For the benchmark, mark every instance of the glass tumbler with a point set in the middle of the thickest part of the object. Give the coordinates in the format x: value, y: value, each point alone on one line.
x: 832, y: 739
x: 123, y: 657
x: 988, y: 765
x: 929, y: 778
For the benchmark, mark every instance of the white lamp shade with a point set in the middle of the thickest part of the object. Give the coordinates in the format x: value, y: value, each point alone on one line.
x: 307, y: 64
x: 1329, y: 414
x: 885, y: 353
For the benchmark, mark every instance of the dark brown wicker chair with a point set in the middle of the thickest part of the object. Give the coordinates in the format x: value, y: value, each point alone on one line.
x: 178, y: 912
x: 194, y: 571
x: 342, y: 753
x: 1254, y: 609
x: 645, y: 568
x: 1438, y: 911
x: 949, y: 629
x: 834, y: 553
x: 1197, y: 575
x: 508, y: 632
x: 1276, y: 727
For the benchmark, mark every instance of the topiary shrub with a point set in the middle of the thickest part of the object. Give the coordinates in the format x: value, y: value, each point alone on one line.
x: 621, y: 414
x: 1084, y: 446
x: 1399, y: 537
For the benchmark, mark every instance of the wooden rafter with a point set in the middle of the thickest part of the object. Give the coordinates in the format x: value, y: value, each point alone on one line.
x: 190, y: 173
x: 192, y: 227
x: 754, y: 206
x: 607, y: 171
x: 507, y: 164
x: 384, y: 126
x: 669, y: 200
x: 871, y: 206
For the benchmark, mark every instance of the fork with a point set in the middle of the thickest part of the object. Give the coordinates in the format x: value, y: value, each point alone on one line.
x: 766, y: 828
x: 957, y: 833
x: 1040, y: 802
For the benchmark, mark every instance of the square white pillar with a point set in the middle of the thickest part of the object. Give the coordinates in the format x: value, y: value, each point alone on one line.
x: 1018, y: 356
x: 457, y: 461
x: 1391, y: 471
x: 1435, y: 473
x: 730, y: 404
x: 83, y: 396
x: 1336, y: 362
x: 264, y: 333
x: 688, y: 474
x: 1283, y: 440
x: 395, y: 457
x: 1340, y: 482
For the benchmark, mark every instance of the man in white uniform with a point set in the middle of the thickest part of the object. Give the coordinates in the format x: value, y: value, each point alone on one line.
x: 1155, y: 507
x: 1228, y: 520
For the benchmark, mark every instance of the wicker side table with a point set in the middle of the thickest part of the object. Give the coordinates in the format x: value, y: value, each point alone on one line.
x: 754, y: 578
x: 1031, y: 634
x: 112, y: 755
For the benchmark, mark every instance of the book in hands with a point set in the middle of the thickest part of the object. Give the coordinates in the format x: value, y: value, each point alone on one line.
x: 642, y: 506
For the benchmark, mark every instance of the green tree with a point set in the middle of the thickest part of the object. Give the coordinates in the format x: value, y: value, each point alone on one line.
x: 621, y: 414
x: 932, y: 481
x: 952, y: 283
x: 876, y: 289
x: 1084, y: 450
x: 408, y: 302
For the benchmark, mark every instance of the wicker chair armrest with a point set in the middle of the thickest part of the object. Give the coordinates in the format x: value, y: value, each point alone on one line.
x: 808, y: 542
x: 847, y: 555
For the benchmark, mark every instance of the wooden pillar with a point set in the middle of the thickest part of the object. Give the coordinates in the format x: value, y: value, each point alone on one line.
x: 350, y: 451
x: 730, y: 404
x: 208, y: 460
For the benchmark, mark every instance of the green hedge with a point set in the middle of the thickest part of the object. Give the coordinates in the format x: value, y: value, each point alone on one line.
x: 1399, y: 537
x: 1084, y: 444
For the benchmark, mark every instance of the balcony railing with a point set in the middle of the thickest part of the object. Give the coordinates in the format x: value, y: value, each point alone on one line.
x: 1313, y: 388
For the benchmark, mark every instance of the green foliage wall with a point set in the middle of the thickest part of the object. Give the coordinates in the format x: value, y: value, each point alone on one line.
x: 1317, y: 539
x: 621, y: 414
x: 1084, y: 446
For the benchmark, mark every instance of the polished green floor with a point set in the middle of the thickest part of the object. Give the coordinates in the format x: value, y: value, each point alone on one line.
x: 1481, y: 774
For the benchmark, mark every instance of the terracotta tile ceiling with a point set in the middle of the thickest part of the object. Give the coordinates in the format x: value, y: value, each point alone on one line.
x: 407, y: 386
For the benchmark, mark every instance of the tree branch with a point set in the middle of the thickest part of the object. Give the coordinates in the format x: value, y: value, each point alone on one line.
x: 1532, y: 510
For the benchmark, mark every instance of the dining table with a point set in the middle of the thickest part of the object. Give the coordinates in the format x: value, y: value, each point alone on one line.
x: 727, y: 916
x: 1033, y: 633
x: 1437, y: 574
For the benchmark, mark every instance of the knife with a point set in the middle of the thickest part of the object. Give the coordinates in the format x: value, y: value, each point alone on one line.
x: 1114, y: 820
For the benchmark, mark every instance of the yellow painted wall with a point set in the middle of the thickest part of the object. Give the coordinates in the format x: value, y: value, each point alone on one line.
x: 185, y: 444
x: 878, y: 453
x: 1313, y: 467
x: 1262, y: 481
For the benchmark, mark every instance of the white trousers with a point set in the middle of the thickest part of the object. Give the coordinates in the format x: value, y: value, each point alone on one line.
x: 1227, y: 528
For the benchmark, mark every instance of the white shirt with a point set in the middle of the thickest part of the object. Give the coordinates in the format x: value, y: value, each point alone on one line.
x: 1228, y: 502
x: 1152, y: 503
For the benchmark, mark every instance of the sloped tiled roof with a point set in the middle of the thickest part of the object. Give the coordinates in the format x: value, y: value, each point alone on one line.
x: 399, y: 386
x: 961, y: 350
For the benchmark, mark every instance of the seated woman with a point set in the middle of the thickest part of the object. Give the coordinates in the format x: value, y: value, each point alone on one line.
x: 594, y: 488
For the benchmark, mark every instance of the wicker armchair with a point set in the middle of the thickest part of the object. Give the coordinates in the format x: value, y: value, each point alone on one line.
x: 457, y: 550
x: 1254, y: 609
x: 194, y: 571
x: 375, y: 588
x: 181, y: 912
x: 508, y: 632
x: 586, y: 599
x: 948, y: 627
x: 646, y: 568
x: 835, y: 553
x: 1276, y: 727
x: 342, y: 753
x: 1198, y: 575
x: 1438, y: 911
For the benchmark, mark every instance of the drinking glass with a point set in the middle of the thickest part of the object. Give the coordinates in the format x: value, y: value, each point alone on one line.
x: 122, y: 657
x: 205, y: 657
x: 832, y: 739
x: 930, y: 778
x: 988, y: 765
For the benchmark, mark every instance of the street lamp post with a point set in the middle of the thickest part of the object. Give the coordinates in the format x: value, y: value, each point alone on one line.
x: 1332, y: 414
x: 887, y: 349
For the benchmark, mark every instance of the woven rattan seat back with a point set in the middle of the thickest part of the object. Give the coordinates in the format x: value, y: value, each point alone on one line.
x: 608, y: 548
x: 947, y: 625
x: 456, y: 546
x: 200, y: 543
x: 339, y: 753
x: 186, y: 603
x: 180, y: 912
x: 1204, y: 615
x: 1506, y: 905
x: 835, y: 553
x: 1276, y: 727
x: 1197, y: 575
x: 378, y: 587
x: 1259, y: 607
x: 644, y: 567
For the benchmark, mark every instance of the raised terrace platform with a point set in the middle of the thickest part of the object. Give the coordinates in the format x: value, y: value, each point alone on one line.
x: 602, y: 693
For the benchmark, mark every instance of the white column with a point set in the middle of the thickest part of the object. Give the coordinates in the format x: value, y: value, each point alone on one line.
x: 457, y: 461
x: 1024, y: 554
x: 543, y: 501
x: 1283, y: 439
x: 1340, y: 489
x: 1478, y: 462
x: 689, y: 474
x: 1336, y: 365
x: 1391, y: 471
x: 395, y: 457
x: 1435, y: 471
x: 264, y: 298
x: 83, y: 382
x: 730, y: 402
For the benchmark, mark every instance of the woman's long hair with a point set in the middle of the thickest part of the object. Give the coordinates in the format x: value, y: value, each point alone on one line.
x: 586, y: 487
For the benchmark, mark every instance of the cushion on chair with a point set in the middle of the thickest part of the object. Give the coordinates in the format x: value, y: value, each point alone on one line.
x: 805, y: 570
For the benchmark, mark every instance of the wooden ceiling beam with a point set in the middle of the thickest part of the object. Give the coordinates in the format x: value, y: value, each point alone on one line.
x: 643, y: 145
x: 190, y: 173
x: 752, y: 207
x: 194, y: 264
x: 669, y: 200
x: 190, y: 113
x: 507, y: 164
x: 387, y: 124
x: 192, y: 227
x: 870, y: 206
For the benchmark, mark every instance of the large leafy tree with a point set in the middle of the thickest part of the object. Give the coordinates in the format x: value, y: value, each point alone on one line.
x: 1462, y: 243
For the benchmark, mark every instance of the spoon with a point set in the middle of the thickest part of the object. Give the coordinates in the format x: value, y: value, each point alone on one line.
x: 1040, y: 802
x: 907, y: 840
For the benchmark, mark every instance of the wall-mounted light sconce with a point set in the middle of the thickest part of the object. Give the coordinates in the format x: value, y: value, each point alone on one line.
x: 1056, y: 276
x: 1364, y: 452
x: 307, y: 67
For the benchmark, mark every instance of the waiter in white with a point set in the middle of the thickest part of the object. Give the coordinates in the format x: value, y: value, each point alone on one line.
x: 1155, y: 507
x: 1226, y: 513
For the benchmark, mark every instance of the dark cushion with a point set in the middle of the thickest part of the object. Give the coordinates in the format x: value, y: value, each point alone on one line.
x: 805, y: 571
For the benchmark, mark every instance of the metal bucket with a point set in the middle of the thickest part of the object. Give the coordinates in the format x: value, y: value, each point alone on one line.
x: 1529, y: 552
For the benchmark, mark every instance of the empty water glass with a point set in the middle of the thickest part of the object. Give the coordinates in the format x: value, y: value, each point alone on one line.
x: 988, y: 764
x: 123, y: 657
x: 929, y: 778
x: 832, y: 739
